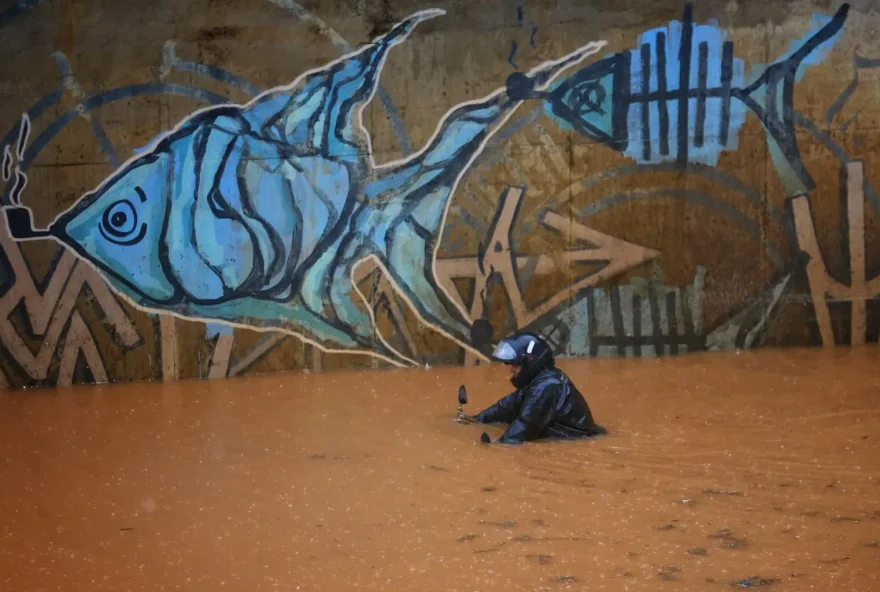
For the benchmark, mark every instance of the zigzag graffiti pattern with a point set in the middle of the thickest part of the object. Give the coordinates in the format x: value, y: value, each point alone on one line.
x: 51, y: 311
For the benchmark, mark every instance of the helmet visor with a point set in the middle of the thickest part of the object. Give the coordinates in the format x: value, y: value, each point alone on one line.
x: 504, y: 353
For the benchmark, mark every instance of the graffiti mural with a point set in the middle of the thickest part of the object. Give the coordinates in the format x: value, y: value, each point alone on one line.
x: 258, y: 215
x: 267, y: 233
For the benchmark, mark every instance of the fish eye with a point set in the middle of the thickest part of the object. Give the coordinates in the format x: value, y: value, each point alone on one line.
x: 120, y: 218
x: 119, y: 224
x: 589, y: 98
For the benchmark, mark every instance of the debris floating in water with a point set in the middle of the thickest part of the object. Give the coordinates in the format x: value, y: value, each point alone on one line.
x: 542, y: 559
x: 727, y: 539
x: 733, y: 543
x: 487, y: 550
x: 844, y: 519
x: 752, y: 582
x: 501, y: 524
x: 721, y: 534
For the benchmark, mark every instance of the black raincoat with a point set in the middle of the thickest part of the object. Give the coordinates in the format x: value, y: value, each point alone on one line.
x: 550, y: 406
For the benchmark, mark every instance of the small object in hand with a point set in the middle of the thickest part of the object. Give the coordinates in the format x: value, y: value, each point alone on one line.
x: 484, y: 438
x: 462, y: 400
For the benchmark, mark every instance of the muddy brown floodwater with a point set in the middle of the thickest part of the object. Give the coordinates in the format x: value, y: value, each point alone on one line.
x: 760, y: 468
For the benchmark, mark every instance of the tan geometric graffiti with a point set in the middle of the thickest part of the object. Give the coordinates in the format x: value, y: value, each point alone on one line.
x: 168, y: 343
x: 54, y: 309
x: 51, y: 311
x: 822, y: 285
x: 220, y: 359
x: 620, y: 256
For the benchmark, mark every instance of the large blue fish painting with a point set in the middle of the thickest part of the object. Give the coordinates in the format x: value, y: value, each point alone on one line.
x: 682, y: 96
x: 257, y: 215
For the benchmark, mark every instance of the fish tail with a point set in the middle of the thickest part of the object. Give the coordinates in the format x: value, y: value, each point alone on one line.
x: 402, y: 223
x: 402, y: 235
x: 408, y: 200
x: 771, y: 94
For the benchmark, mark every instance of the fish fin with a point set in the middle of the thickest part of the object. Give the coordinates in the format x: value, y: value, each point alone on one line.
x: 358, y: 313
x: 770, y: 95
x: 294, y: 318
x: 595, y: 101
x: 291, y: 316
x: 328, y: 290
x: 409, y: 261
x: 320, y: 111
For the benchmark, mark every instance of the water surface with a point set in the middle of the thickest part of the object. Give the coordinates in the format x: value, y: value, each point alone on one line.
x: 718, y: 468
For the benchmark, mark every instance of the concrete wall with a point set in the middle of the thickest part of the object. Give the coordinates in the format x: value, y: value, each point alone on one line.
x: 410, y: 201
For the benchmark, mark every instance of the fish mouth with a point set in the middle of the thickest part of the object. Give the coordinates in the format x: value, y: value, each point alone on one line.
x: 57, y: 230
x: 20, y: 221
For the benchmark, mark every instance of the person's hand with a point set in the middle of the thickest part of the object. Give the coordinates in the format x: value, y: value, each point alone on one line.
x: 464, y: 418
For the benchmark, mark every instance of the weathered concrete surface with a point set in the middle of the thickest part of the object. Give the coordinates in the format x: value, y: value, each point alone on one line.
x: 701, y: 257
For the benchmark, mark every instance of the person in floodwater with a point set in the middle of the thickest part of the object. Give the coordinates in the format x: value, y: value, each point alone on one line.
x: 545, y: 403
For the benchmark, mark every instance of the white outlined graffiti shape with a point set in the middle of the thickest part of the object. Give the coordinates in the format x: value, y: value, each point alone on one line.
x: 258, y: 215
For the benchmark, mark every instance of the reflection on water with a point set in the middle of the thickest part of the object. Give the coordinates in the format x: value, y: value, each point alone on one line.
x: 761, y: 469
